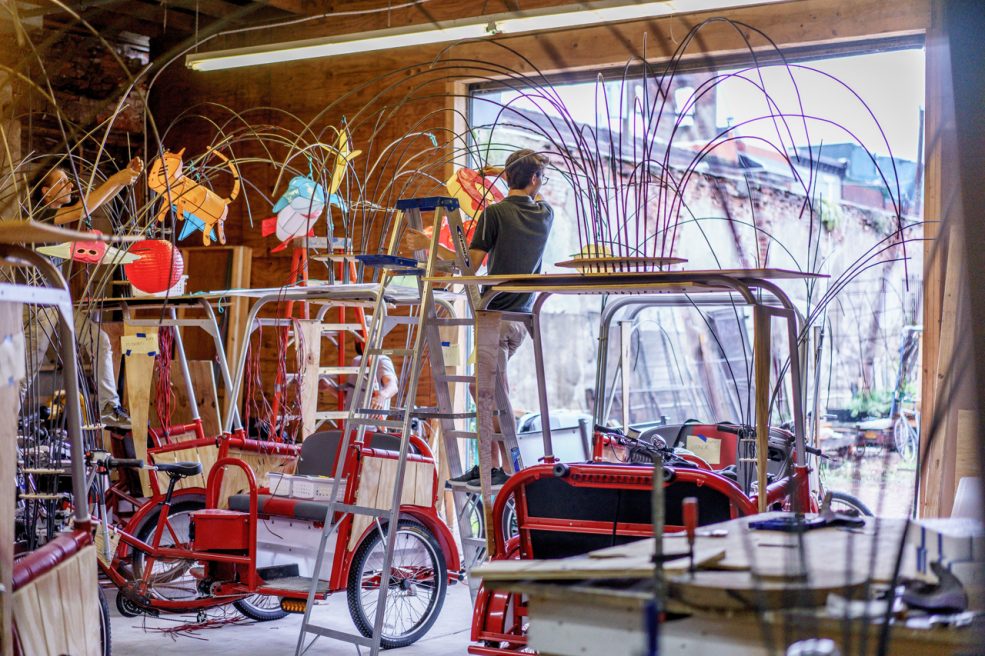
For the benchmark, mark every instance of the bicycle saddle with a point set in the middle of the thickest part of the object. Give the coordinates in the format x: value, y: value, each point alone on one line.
x: 180, y: 468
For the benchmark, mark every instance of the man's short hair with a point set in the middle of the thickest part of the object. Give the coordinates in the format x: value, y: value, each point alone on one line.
x: 42, y: 178
x: 521, y: 167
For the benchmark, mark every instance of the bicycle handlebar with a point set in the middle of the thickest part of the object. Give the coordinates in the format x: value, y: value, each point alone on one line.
x: 116, y: 463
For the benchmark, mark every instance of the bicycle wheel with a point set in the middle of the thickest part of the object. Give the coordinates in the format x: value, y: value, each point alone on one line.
x: 262, y: 608
x: 105, y: 638
x: 841, y: 501
x: 170, y: 578
x: 905, y: 438
x: 511, y: 528
x: 417, y: 581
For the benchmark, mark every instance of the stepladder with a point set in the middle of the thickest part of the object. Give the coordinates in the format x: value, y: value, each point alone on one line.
x: 416, y: 334
x: 444, y: 328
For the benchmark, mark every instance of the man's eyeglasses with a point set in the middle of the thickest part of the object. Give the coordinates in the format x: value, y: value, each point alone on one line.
x: 543, y: 178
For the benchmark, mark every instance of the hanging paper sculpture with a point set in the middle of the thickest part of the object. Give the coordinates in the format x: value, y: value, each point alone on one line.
x: 198, y: 206
x: 300, y: 206
x: 473, y: 190
x: 474, y: 193
x: 158, y: 268
x: 297, y: 210
x: 89, y: 252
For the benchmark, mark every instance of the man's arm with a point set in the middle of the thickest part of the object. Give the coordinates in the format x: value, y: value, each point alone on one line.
x: 388, y: 385
x: 101, y: 194
x: 476, y: 256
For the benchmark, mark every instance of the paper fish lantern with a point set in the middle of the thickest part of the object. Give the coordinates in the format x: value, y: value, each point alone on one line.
x: 297, y: 211
x: 304, y: 200
x: 89, y: 252
x: 159, y: 268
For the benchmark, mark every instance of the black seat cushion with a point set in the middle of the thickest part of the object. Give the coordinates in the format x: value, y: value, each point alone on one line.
x: 180, y: 469
x: 319, y: 450
x: 312, y: 511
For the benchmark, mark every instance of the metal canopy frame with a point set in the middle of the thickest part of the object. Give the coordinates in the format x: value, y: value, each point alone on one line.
x: 667, y: 300
x: 324, y: 297
x: 752, y: 287
x: 56, y: 295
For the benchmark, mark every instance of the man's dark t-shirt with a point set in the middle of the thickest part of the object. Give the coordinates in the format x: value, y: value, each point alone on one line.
x: 514, y: 232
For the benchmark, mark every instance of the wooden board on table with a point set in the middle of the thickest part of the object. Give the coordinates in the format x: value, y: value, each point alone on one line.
x: 762, y: 555
x: 581, y: 568
x: 829, y: 552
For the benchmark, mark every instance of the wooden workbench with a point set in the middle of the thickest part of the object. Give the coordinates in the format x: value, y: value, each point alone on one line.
x: 755, y: 592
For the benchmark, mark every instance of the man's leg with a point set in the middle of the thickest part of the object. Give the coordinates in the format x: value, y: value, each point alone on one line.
x: 96, y: 343
x: 511, y: 335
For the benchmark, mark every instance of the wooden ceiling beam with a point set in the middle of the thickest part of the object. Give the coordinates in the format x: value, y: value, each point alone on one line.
x: 302, y: 7
x: 214, y: 8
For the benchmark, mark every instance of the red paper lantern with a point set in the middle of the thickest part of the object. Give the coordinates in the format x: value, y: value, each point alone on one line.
x: 159, y: 268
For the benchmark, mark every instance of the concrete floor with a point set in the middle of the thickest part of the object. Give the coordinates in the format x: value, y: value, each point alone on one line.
x: 133, y: 636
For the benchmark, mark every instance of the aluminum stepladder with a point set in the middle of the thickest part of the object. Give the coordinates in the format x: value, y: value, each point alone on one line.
x: 474, y: 543
x: 360, y: 417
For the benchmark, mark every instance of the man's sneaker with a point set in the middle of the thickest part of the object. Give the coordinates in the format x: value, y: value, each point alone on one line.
x: 470, y: 475
x: 497, y: 478
x: 115, y: 417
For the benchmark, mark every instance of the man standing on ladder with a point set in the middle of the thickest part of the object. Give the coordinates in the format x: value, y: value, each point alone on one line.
x: 513, y: 233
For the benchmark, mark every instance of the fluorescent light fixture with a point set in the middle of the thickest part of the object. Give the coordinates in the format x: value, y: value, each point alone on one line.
x: 561, y: 17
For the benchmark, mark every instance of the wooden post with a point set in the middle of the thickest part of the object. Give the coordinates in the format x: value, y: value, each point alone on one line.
x: 11, y: 327
x: 140, y: 374
x: 625, y: 342
x: 486, y: 365
x: 310, y: 331
x: 762, y: 362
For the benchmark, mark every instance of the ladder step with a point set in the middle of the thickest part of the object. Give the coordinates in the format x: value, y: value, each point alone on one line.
x: 397, y: 425
x: 474, y: 542
x: 442, y: 378
x: 425, y: 413
x: 331, y: 414
x: 391, y: 351
x: 342, y: 636
x: 361, y: 510
x: 401, y: 320
x: 442, y: 321
x: 337, y: 371
x: 462, y: 435
x: 339, y: 327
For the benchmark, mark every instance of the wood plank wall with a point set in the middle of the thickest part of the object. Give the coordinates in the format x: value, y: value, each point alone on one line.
x: 306, y: 88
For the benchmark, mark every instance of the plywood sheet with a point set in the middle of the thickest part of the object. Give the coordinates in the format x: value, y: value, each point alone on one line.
x: 310, y: 343
x: 139, y: 375
x: 58, y: 613
x: 206, y: 455
x: 375, y: 490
